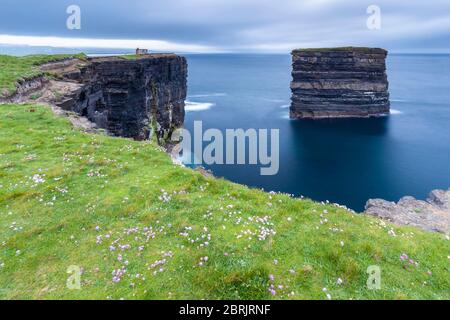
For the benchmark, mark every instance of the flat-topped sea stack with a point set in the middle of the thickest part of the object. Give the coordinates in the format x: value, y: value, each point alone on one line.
x: 339, y: 83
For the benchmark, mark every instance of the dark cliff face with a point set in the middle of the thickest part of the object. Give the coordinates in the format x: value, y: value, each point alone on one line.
x: 132, y: 98
x: 341, y: 82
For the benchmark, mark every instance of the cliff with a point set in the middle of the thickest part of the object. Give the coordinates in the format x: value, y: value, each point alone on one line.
x: 339, y: 83
x: 131, y: 97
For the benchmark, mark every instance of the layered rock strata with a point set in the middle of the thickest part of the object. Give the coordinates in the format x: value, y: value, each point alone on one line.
x: 339, y: 83
x: 131, y: 98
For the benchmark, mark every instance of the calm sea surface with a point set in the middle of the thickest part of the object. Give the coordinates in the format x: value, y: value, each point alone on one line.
x: 346, y: 161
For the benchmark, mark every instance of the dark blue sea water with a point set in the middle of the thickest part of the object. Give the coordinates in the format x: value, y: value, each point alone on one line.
x: 344, y: 161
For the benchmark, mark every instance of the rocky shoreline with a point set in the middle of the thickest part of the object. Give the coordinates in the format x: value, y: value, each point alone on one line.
x: 339, y: 83
x: 430, y: 215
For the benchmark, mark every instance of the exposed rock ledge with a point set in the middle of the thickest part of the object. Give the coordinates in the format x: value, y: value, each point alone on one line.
x: 339, y: 83
x: 131, y: 98
x: 430, y: 215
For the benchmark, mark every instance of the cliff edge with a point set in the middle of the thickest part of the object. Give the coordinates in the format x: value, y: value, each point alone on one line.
x: 430, y: 215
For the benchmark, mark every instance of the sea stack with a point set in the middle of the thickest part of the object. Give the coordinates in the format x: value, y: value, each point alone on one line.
x: 339, y: 83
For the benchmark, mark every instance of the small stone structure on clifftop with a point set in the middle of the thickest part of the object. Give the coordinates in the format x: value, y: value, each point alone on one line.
x: 141, y: 51
x: 339, y: 83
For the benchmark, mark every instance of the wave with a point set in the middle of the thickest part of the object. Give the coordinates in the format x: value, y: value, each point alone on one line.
x: 285, y: 116
x: 395, y: 111
x: 192, y: 106
x: 285, y: 106
x: 398, y: 100
x: 207, y: 95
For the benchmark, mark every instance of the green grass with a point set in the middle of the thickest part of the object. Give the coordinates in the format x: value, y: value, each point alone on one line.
x: 91, y: 192
x: 14, y: 68
x: 130, y: 56
x: 139, y: 56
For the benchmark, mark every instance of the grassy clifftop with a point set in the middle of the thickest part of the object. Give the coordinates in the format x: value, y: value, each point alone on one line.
x: 337, y: 49
x: 139, y: 227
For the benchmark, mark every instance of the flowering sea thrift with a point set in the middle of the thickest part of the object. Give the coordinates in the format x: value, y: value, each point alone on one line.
x: 403, y: 257
x: 165, y: 197
x: 118, y: 274
x: 272, y: 290
x: 408, y: 261
x: 272, y: 286
x: 202, y: 262
x: 37, y: 178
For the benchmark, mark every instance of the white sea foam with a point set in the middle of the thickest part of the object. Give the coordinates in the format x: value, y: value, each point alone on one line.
x: 206, y: 95
x: 192, y: 106
x: 285, y: 106
x: 395, y: 111
x: 285, y: 116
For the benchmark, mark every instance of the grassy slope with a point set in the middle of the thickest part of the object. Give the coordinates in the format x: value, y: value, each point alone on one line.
x: 115, y: 184
x: 14, y: 68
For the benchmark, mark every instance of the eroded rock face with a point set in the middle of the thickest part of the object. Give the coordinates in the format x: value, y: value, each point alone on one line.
x: 130, y: 98
x: 339, y: 83
x: 430, y: 215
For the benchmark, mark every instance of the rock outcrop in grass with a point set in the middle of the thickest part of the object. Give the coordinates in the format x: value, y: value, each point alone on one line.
x: 138, y: 227
x: 430, y: 215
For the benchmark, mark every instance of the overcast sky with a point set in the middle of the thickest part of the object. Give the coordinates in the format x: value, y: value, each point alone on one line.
x: 229, y: 25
